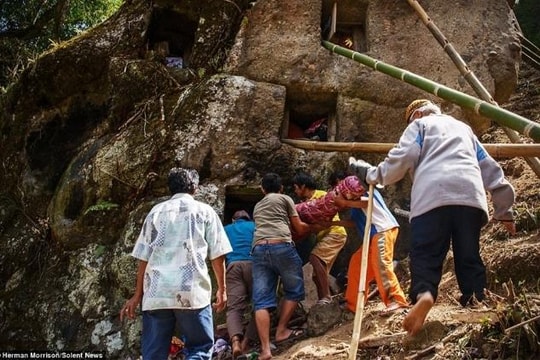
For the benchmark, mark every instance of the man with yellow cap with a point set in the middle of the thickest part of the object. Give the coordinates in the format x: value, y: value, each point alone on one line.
x: 451, y: 172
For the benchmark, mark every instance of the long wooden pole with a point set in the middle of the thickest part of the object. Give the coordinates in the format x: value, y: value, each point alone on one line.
x: 497, y: 151
x: 480, y: 107
x: 359, y: 314
x: 468, y: 74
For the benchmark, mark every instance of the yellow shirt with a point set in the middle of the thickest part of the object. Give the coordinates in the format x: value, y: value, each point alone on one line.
x: 333, y: 229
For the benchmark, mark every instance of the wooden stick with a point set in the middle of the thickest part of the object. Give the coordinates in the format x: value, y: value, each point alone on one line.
x: 497, y: 151
x: 357, y: 326
x: 377, y: 341
x: 521, y: 324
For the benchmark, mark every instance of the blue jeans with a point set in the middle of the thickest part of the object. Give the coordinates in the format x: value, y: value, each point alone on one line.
x: 195, y: 325
x: 271, y: 262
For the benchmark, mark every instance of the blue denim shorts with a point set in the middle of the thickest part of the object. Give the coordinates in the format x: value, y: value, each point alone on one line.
x: 270, y: 263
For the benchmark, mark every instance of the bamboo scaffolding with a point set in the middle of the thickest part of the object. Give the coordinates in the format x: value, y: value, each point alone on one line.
x: 530, y: 48
x: 529, y: 51
x: 497, y: 151
x: 480, y: 107
x: 468, y: 74
x: 529, y: 57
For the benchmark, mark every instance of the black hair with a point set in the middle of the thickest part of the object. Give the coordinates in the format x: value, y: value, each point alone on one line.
x: 241, y: 214
x: 305, y: 179
x: 335, y: 177
x: 271, y: 183
x: 183, y: 180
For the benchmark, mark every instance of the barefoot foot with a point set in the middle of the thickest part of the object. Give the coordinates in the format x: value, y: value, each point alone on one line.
x: 417, y: 315
x: 393, y: 308
x: 265, y: 356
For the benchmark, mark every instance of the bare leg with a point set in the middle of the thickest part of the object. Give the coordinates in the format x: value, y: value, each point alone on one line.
x: 236, y: 345
x: 320, y: 277
x: 414, y: 320
x: 244, y: 345
x: 262, y: 318
x: 286, y: 312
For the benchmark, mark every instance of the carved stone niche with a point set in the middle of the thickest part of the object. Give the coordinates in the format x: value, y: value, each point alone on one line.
x: 343, y: 23
x: 171, y: 35
x: 310, y: 117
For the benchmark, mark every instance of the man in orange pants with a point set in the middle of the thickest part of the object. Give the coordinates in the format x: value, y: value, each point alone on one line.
x: 383, y: 234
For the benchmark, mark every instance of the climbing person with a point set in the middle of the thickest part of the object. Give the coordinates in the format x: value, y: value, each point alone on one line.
x: 323, y: 209
x: 451, y: 172
x: 275, y: 257
x: 341, y: 265
x: 178, y: 236
x: 383, y: 234
x: 239, y: 281
x: 329, y: 241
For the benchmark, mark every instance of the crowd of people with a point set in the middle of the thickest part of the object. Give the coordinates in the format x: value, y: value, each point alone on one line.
x: 257, y: 266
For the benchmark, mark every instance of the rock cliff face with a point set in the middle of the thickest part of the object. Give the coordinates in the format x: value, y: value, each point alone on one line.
x: 92, y: 127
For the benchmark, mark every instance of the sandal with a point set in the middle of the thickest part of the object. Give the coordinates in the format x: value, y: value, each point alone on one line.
x: 324, y: 301
x: 296, y: 334
x: 393, y: 308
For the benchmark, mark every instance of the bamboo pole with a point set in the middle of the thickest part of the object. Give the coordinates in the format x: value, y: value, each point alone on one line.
x: 497, y: 151
x: 359, y: 313
x: 480, y: 107
x: 451, y: 51
x: 468, y: 74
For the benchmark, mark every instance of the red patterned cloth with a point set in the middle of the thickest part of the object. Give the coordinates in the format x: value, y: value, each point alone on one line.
x: 324, y: 209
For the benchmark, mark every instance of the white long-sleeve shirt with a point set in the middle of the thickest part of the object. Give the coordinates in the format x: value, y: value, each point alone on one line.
x: 448, y: 166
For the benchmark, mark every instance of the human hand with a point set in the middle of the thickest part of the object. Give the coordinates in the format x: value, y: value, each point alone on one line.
x: 221, y: 300
x: 359, y: 168
x: 128, y: 310
x: 342, y: 203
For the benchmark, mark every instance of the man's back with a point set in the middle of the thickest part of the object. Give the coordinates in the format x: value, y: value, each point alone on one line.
x: 447, y: 170
x: 272, y: 217
x: 177, y: 237
x: 240, y: 234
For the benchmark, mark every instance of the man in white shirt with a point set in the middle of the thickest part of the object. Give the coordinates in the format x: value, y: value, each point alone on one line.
x: 173, y: 281
x: 451, y: 172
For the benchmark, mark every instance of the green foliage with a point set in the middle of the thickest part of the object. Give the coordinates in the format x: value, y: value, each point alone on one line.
x: 27, y: 28
x: 102, y: 205
x: 528, y: 13
x: 85, y: 14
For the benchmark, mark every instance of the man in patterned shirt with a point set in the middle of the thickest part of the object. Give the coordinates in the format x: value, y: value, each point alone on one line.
x: 173, y: 282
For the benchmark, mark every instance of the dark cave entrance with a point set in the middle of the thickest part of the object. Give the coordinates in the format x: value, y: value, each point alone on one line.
x: 240, y: 197
x: 171, y: 36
